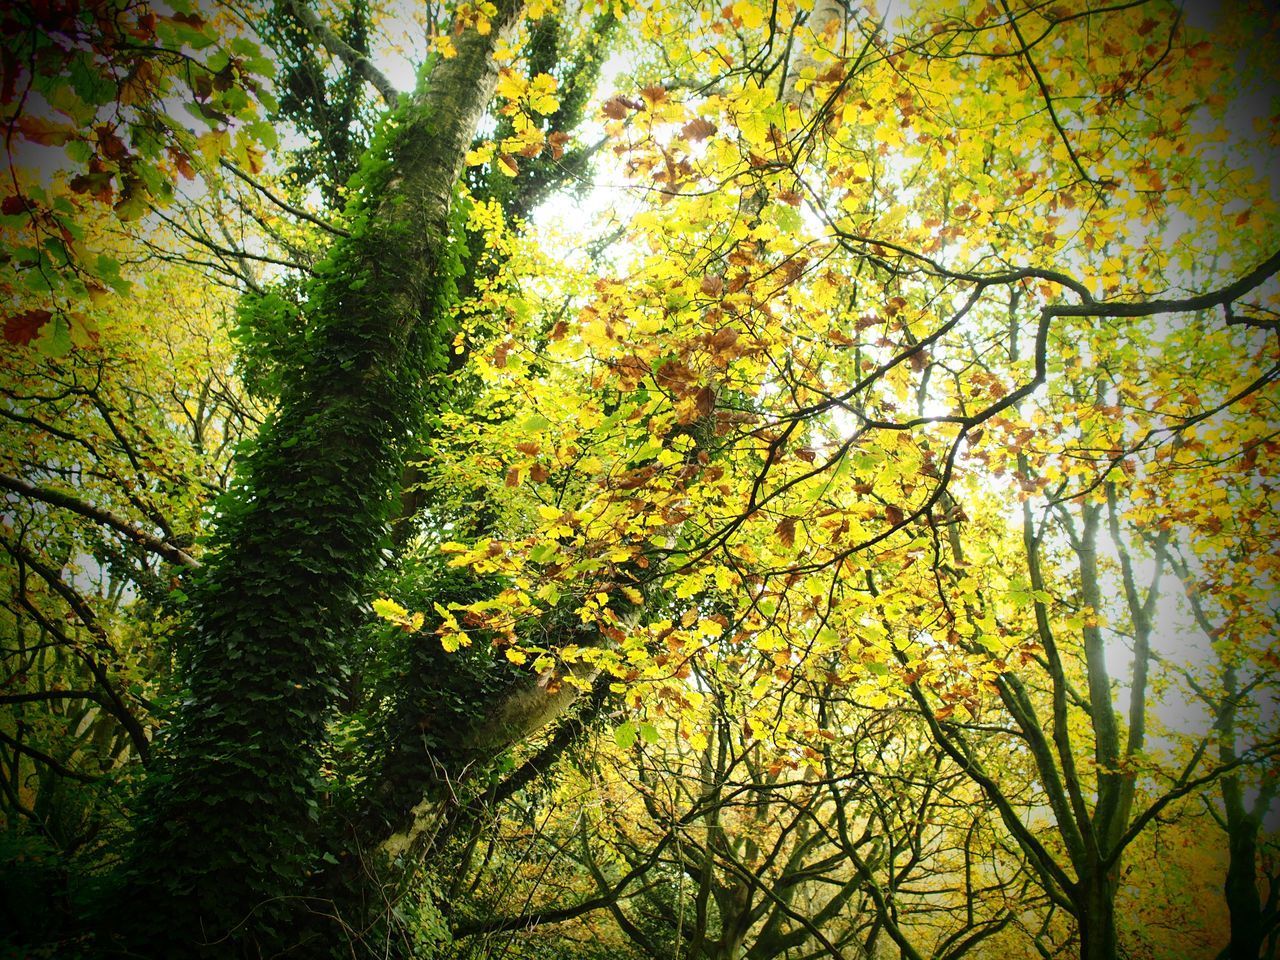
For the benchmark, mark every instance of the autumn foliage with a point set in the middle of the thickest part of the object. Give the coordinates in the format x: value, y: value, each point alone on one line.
x: 777, y: 479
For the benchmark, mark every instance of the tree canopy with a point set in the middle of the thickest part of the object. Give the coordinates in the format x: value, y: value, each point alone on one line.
x: 644, y: 479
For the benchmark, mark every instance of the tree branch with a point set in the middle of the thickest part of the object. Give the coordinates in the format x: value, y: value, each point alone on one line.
x: 348, y: 54
x: 526, y: 921
x: 279, y: 201
x: 57, y: 767
x: 105, y: 517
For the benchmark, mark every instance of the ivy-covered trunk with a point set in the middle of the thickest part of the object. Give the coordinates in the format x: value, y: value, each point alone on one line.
x: 227, y: 847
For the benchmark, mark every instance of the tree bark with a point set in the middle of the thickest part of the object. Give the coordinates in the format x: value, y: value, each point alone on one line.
x: 1096, y: 918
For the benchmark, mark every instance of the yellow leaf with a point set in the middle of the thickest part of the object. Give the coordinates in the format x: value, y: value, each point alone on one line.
x: 480, y: 155
x: 750, y: 15
x: 390, y: 610
x: 442, y: 44
x: 511, y: 85
x: 877, y: 700
x: 689, y: 586
x: 724, y: 578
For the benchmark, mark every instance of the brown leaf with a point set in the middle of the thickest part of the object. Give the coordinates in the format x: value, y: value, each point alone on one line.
x: 704, y: 401
x: 786, y: 531
x: 654, y: 94
x: 631, y: 370
x: 41, y: 131
x: 513, y: 477
x: 616, y: 108
x: 635, y: 478
x: 676, y: 376
x: 698, y: 129
x: 894, y: 514
x: 145, y: 28
x: 8, y: 74
x: 500, y: 354
x: 183, y: 162
x: 723, y: 339
x: 24, y: 327
x: 96, y: 184
x: 557, y: 141
x: 712, y: 286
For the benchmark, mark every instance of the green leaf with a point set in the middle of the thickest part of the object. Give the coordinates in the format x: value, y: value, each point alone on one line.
x: 624, y: 735
x: 66, y: 100
x: 56, y: 341
x: 88, y: 82
x: 264, y: 133
x: 787, y: 217
x: 543, y: 552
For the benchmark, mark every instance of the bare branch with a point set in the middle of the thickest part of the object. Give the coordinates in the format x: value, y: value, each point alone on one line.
x: 279, y: 201
x: 344, y: 51
x: 100, y: 515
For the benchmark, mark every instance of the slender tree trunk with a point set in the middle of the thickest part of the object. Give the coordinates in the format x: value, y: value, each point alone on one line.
x: 1241, y: 892
x: 1244, y: 901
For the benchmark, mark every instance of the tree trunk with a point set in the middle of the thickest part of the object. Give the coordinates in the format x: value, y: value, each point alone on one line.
x: 1096, y: 918
x: 1241, y: 892
x: 226, y: 844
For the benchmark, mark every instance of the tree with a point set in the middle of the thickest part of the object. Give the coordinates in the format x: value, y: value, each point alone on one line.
x: 739, y: 849
x: 1235, y: 693
x: 110, y: 451
x: 750, y: 426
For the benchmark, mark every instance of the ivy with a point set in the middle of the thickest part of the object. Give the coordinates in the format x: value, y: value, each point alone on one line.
x: 294, y: 542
